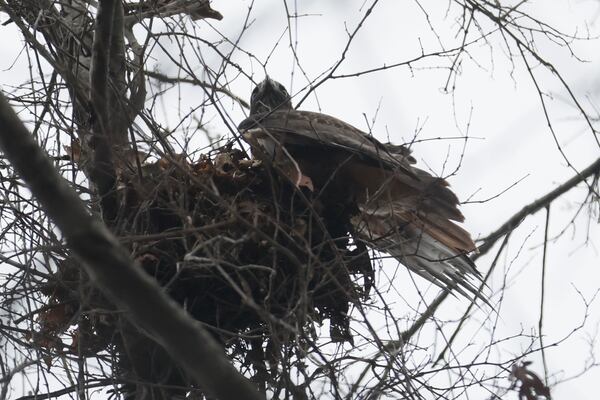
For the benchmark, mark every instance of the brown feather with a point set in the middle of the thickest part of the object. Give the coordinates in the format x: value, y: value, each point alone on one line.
x: 403, y: 210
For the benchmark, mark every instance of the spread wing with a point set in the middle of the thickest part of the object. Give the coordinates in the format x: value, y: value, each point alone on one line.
x: 403, y: 210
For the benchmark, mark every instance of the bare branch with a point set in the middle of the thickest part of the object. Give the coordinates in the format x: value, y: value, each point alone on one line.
x: 192, y: 81
x: 534, y: 207
x: 114, y: 272
x: 506, y: 228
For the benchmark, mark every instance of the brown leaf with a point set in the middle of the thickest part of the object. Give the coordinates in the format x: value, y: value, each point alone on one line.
x: 224, y: 165
x: 148, y: 261
x: 73, y: 151
x: 203, y: 167
x: 54, y: 319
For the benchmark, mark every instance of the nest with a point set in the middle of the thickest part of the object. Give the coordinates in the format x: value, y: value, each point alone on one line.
x: 257, y: 260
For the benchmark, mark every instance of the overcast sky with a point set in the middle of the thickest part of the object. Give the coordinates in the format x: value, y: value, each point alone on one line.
x: 494, y: 100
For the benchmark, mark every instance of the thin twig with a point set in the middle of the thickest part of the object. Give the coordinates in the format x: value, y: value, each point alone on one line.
x: 542, y: 295
x: 112, y: 270
x: 507, y: 227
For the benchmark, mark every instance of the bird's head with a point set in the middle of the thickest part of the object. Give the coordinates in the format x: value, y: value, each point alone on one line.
x: 269, y: 95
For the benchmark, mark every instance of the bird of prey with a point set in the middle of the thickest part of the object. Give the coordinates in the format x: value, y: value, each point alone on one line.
x: 401, y: 210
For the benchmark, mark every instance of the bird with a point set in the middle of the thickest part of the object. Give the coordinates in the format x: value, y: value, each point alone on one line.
x: 401, y: 210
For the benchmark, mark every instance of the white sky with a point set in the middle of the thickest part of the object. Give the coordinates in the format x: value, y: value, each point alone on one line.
x: 513, y: 140
x: 505, y: 113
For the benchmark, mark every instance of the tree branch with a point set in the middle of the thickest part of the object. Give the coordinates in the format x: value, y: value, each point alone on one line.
x: 192, y: 81
x: 537, y: 205
x: 102, y: 171
x: 506, y: 228
x: 196, y: 9
x: 113, y: 271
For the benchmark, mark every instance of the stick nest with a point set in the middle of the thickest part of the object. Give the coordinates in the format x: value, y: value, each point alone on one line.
x: 258, y: 261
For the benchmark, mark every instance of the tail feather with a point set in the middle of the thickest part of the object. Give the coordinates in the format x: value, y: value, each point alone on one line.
x: 436, y: 195
x: 433, y: 252
x: 447, y: 232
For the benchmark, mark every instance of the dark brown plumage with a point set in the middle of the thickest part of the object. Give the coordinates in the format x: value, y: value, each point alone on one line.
x: 402, y: 210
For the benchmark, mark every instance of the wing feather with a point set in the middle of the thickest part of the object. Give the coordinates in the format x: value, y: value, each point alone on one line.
x: 300, y: 127
x: 404, y: 211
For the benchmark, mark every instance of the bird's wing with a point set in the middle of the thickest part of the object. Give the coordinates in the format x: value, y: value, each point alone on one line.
x: 404, y: 211
x: 429, y: 247
x: 305, y: 127
x: 413, y: 222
